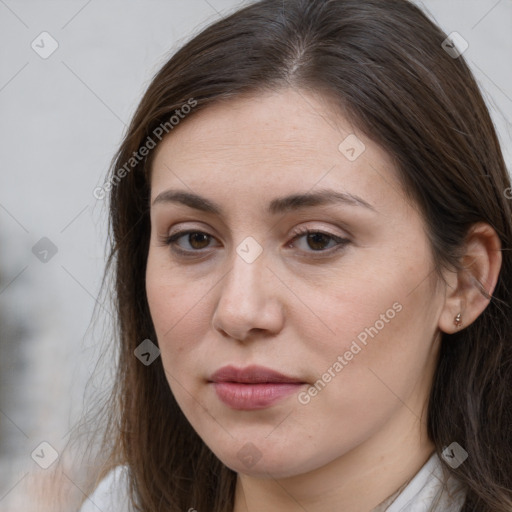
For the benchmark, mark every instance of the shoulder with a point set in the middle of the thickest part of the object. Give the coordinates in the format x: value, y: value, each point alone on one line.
x: 111, y: 493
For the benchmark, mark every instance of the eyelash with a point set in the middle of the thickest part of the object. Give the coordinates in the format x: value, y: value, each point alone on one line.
x: 340, y: 242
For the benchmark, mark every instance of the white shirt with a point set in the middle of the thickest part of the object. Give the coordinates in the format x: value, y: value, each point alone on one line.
x: 428, y: 491
x: 111, y: 495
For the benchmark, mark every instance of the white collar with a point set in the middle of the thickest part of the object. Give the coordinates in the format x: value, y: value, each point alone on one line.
x: 432, y: 489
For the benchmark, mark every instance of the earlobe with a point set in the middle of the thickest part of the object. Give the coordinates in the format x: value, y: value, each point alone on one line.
x: 475, y: 282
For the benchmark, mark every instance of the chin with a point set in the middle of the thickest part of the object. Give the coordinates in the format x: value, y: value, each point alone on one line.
x: 270, y: 461
x: 264, y: 469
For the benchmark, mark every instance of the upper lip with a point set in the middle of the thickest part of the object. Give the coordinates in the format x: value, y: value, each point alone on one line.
x: 250, y: 375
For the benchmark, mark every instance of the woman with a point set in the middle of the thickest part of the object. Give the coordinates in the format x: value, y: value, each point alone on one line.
x: 311, y: 238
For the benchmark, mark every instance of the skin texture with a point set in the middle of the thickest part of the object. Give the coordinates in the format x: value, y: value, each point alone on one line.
x: 364, y: 434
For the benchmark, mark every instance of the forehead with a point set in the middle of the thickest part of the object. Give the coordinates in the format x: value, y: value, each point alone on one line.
x: 270, y: 143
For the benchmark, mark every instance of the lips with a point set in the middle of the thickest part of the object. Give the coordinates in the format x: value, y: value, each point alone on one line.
x: 253, y: 387
x: 251, y: 375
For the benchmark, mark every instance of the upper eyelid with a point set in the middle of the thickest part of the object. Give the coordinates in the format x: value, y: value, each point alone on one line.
x: 295, y: 232
x: 304, y: 223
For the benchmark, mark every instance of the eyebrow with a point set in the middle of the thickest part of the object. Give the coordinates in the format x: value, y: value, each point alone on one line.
x: 276, y: 206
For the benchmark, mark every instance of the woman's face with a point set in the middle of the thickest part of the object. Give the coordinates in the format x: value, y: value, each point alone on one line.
x: 347, y: 313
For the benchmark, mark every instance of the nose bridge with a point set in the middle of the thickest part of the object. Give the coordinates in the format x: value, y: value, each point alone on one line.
x: 246, y: 278
x: 246, y: 298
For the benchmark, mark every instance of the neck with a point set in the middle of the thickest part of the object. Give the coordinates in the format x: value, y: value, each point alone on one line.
x: 360, y: 479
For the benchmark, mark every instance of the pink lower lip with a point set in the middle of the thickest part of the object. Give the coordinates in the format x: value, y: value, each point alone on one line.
x: 253, y: 396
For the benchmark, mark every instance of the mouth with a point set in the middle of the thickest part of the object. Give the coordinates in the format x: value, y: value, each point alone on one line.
x: 253, y: 387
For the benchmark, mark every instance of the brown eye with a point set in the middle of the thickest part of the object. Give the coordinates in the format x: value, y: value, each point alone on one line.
x: 318, y: 241
x: 198, y: 240
x: 195, y: 241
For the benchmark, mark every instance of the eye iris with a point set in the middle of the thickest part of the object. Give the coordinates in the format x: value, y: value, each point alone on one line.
x: 195, y: 236
x: 317, y: 238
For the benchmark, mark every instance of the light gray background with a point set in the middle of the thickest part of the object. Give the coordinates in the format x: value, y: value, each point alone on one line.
x: 61, y: 120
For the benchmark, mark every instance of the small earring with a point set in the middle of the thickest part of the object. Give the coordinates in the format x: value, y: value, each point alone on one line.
x: 457, y: 320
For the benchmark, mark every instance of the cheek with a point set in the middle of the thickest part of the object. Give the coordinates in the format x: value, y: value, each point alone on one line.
x: 382, y: 360
x: 374, y: 333
x: 171, y: 307
x: 178, y: 308
x: 355, y: 306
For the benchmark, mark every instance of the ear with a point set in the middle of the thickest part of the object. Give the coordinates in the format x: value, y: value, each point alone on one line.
x: 469, y: 290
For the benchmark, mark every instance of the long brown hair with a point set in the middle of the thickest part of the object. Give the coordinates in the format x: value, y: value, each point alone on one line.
x: 383, y: 62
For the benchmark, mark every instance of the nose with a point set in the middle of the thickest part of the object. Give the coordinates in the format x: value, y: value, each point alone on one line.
x: 250, y: 301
